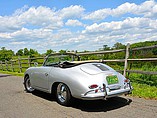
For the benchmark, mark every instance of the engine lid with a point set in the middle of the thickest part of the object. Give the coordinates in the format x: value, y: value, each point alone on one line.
x: 94, y: 68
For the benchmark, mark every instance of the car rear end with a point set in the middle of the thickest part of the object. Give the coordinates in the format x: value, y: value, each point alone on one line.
x: 117, y: 85
x: 106, y: 84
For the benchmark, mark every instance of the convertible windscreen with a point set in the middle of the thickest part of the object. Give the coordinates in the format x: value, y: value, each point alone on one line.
x: 67, y: 61
x: 60, y: 60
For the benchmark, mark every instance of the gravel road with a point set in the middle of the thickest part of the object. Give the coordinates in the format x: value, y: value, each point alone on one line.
x: 16, y: 103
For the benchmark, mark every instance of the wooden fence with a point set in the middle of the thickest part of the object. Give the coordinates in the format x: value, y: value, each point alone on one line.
x: 126, y: 60
x: 19, y: 64
x: 23, y: 63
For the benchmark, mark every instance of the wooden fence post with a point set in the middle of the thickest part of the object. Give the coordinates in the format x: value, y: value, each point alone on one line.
x: 6, y: 64
x: 126, y: 59
x: 1, y: 65
x: 20, y: 67
x: 12, y: 67
x: 29, y: 61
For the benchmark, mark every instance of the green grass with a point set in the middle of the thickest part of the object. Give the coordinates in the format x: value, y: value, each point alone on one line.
x: 144, y: 91
x: 12, y: 73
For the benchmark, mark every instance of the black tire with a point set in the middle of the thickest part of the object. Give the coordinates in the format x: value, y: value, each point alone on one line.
x: 27, y: 85
x: 63, y: 94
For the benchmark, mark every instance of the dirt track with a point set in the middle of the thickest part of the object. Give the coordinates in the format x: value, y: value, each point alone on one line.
x: 16, y: 103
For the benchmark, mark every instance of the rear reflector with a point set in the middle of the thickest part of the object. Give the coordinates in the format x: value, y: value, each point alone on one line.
x: 93, y: 86
x: 126, y: 80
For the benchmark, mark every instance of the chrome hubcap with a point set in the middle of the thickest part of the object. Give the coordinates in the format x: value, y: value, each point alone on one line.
x: 28, y: 85
x: 61, y: 92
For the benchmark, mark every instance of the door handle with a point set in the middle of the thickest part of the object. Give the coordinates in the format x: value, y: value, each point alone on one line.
x: 46, y: 74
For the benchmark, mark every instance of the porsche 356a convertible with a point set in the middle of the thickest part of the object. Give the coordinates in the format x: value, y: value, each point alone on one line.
x: 87, y: 80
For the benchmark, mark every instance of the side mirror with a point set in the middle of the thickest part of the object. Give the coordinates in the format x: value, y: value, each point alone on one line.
x: 35, y: 64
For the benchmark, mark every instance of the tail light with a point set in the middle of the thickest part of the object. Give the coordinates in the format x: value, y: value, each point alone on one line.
x: 126, y: 80
x: 93, y: 86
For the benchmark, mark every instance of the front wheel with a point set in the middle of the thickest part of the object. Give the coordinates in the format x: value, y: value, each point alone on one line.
x: 63, y: 94
x: 27, y: 85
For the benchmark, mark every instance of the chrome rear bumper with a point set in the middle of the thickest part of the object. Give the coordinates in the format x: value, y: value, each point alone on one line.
x: 106, y: 93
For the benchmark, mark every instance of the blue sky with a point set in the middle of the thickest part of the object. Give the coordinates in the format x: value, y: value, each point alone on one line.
x: 75, y: 24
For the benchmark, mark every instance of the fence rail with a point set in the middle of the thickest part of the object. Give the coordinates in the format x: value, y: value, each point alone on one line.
x: 101, y: 52
x: 18, y: 64
x: 142, y: 72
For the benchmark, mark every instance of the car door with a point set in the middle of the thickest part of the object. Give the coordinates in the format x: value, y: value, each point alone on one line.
x: 40, y: 77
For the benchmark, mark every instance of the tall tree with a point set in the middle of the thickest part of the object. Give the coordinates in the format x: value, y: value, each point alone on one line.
x: 118, y: 46
x: 33, y: 53
x: 5, y: 54
x: 19, y: 52
x: 105, y: 47
x: 49, y: 52
x: 3, y: 48
x: 26, y: 51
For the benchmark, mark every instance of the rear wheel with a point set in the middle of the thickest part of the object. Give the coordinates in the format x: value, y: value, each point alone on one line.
x: 63, y: 94
x: 27, y: 85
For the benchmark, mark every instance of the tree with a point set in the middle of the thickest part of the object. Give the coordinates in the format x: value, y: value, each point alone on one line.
x: 33, y: 53
x: 49, y: 52
x: 105, y: 47
x: 26, y: 51
x: 6, y: 54
x: 62, y: 51
x: 3, y: 48
x: 118, y: 46
x: 19, y: 52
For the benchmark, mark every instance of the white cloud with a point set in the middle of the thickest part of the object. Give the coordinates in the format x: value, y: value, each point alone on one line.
x: 18, y: 43
x: 21, y: 10
x: 124, y: 8
x: 128, y: 23
x: 73, y: 23
x: 29, y: 34
x: 41, y: 16
x: 130, y: 30
x: 147, y: 9
x: 9, y: 24
x: 5, y: 35
x: 38, y: 16
x: 98, y: 15
x: 71, y: 12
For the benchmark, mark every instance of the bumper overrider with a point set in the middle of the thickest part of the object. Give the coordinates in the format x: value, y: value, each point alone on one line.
x: 107, y: 92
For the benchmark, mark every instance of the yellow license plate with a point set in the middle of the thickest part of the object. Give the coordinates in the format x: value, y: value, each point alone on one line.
x: 112, y: 79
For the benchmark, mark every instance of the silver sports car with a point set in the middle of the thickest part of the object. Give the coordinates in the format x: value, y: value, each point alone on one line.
x: 67, y: 77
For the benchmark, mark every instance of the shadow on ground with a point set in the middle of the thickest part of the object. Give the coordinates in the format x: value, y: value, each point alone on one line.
x: 4, y: 75
x: 101, y: 105
x: 44, y: 95
x: 91, y: 106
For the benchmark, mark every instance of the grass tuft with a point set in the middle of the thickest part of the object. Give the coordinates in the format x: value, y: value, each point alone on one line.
x: 12, y: 73
x: 144, y: 91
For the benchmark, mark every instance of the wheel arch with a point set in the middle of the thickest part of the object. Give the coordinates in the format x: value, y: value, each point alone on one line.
x: 27, y: 84
x: 26, y: 76
x: 54, y: 87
